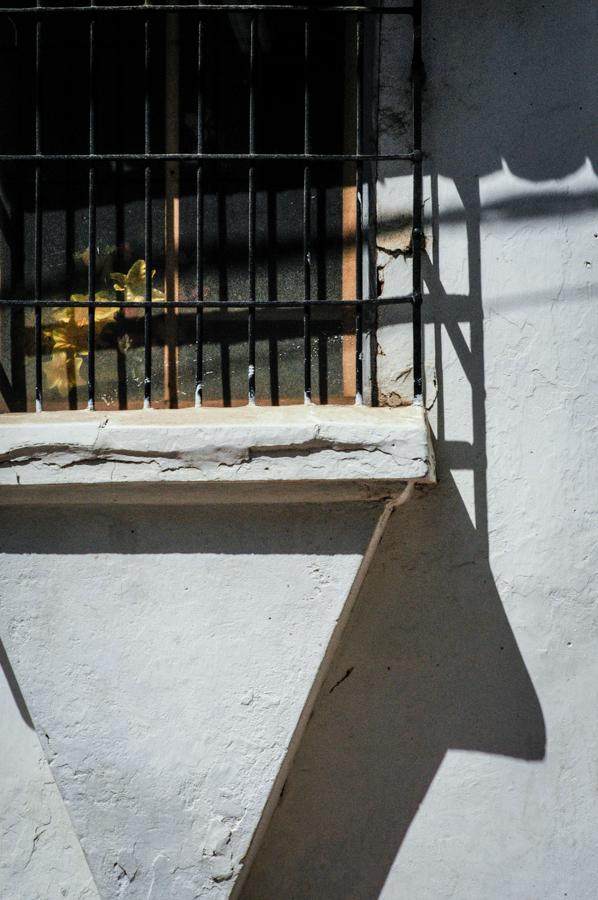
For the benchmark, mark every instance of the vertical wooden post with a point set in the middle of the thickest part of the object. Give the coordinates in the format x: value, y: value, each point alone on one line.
x: 171, y: 209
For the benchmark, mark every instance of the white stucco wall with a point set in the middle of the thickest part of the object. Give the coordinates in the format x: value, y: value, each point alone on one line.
x: 170, y: 583
x: 458, y: 760
x: 451, y: 752
x: 40, y: 855
x: 166, y: 653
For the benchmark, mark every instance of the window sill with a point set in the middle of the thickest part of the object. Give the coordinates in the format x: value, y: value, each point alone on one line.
x: 360, y: 451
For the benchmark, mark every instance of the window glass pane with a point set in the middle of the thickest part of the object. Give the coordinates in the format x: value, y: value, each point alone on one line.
x: 119, y: 254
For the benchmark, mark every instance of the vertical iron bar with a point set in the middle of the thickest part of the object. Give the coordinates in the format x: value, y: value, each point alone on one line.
x: 199, y: 271
x: 251, y: 268
x: 91, y: 325
x: 307, y: 221
x: 38, y: 220
x: 119, y: 225
x: 416, y: 239
x: 358, y: 212
x: 147, y: 336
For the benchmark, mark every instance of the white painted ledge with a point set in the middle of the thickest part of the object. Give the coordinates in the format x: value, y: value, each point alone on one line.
x: 299, y: 444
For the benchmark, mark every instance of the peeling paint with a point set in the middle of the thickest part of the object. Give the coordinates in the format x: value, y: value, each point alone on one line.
x: 308, y: 442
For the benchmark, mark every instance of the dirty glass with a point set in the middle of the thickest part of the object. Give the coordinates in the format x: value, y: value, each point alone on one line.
x: 118, y: 257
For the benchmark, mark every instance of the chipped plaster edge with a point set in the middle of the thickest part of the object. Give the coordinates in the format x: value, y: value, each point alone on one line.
x: 321, y: 445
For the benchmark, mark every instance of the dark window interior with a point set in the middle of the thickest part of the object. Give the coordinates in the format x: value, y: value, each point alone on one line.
x: 119, y: 87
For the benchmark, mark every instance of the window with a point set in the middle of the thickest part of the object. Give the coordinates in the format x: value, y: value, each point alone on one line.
x: 187, y: 203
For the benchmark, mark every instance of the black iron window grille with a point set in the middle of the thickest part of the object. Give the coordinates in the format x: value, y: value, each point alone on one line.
x: 187, y: 210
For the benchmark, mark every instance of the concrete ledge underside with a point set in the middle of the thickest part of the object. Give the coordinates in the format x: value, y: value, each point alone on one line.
x: 345, y: 450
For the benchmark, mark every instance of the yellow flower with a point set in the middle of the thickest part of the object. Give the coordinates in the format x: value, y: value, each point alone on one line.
x: 64, y: 371
x: 133, y: 283
x: 69, y: 336
x: 102, y: 313
x: 68, y: 328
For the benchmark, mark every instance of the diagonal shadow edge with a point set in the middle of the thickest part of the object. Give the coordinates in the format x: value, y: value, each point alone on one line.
x: 434, y: 666
x: 21, y: 704
x: 323, y: 671
x: 14, y: 688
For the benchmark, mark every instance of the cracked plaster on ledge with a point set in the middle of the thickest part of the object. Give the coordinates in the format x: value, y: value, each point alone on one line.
x: 321, y: 444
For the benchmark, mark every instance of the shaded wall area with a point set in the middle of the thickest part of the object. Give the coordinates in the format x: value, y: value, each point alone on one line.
x: 450, y: 750
x: 428, y: 663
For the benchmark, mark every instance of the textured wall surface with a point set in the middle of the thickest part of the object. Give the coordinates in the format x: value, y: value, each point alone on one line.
x: 458, y: 760
x: 239, y: 446
x: 452, y: 748
x: 166, y: 655
x: 40, y: 856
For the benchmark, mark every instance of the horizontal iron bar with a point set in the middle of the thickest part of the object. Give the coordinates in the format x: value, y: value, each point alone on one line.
x: 195, y: 304
x: 208, y: 157
x: 210, y: 7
